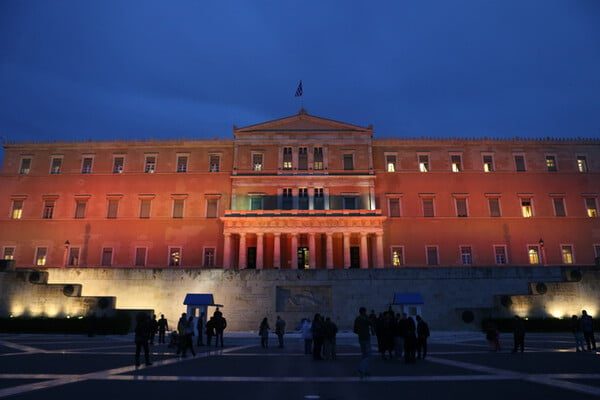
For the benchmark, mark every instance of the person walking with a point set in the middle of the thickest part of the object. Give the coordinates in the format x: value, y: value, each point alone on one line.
x: 363, y: 329
x: 518, y: 326
x: 280, y: 330
x: 588, y: 330
x: 163, y: 327
x: 422, y: 335
x: 142, y: 335
x: 200, y: 328
x: 576, y: 328
x: 263, y: 332
x: 306, y: 332
x: 188, y: 335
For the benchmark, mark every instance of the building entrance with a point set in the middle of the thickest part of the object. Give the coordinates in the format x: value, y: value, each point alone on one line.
x: 303, y: 258
x: 354, y: 257
x: 251, y: 260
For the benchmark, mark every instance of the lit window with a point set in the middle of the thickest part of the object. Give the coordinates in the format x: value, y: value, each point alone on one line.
x: 215, y: 163
x: 209, y: 257
x: 17, y: 209
x: 488, y: 163
x: 461, y: 207
x: 390, y: 163
x: 591, y: 208
x: 397, y: 256
x: 582, y: 165
x: 520, y: 163
x: 287, y: 158
x: 25, y: 166
x: 348, y: 162
x: 56, y: 165
x: 48, y: 209
x: 118, y: 165
x: 318, y: 158
x: 40, y: 256
x: 257, y: 162
x: 8, y: 253
x: 394, y: 207
x: 303, y: 158
x: 428, y: 210
x: 178, y: 208
x: 559, y: 207
x: 551, y: 163
x: 526, y: 208
x: 500, y: 255
x: 182, y: 164
x: 432, y: 255
x: 150, y: 167
x: 140, y: 256
x: 567, y: 254
x: 174, y: 257
x: 423, y: 162
x: 466, y: 257
x: 534, y: 254
x: 80, y: 206
x: 456, y: 163
x: 73, y: 259
x: 494, y: 204
x: 107, y: 255
x: 86, y: 166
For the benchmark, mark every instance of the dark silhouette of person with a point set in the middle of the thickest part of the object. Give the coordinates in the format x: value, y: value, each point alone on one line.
x: 422, y: 335
x: 363, y: 327
x: 153, y: 328
x: 518, y: 326
x: 200, y: 328
x: 280, y: 330
x: 220, y: 323
x: 163, y: 327
x: 210, y: 330
x: 142, y: 335
x: 318, y: 332
x: 588, y: 330
x: 188, y: 334
x: 263, y: 332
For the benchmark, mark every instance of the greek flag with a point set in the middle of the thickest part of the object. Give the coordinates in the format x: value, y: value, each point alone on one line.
x: 299, y: 90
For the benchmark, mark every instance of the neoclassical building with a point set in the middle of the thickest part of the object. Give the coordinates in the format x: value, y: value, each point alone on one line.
x: 301, y: 192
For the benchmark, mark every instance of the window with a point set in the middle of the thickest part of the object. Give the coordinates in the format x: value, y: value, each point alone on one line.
x: 256, y: 202
x: 534, y: 254
x: 318, y: 158
x: 350, y: 203
x: 397, y: 256
x: 140, y: 256
x: 303, y: 158
x: 17, y: 209
x: 551, y: 163
x: 582, y: 165
x: 40, y: 256
x: 112, y: 208
x: 209, y: 257
x: 432, y: 255
x: 319, y: 200
x: 526, y: 208
x: 86, y: 165
x: 424, y: 162
x: 390, y: 162
x: 303, y: 199
x: 56, y: 165
x: 559, y: 207
x: 174, y: 256
x: 428, y: 210
x: 456, y: 163
x: 48, y: 209
x: 107, y: 255
x: 257, y: 162
x: 590, y: 206
x: 466, y: 257
x: 215, y: 163
x: 348, y: 162
x: 73, y: 259
x: 178, y: 208
x: 494, y: 205
x: 150, y: 164
x: 118, y: 165
x: 520, y: 163
x: 182, y: 163
x: 8, y: 253
x: 80, y: 206
x: 25, y: 166
x: 500, y: 255
x: 394, y: 207
x: 287, y: 199
x: 488, y: 163
x: 287, y: 158
x: 461, y: 207
x: 212, y: 207
x: 145, y: 205
x: 567, y: 254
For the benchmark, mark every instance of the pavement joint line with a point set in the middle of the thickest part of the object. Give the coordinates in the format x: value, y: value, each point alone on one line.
x: 21, y: 347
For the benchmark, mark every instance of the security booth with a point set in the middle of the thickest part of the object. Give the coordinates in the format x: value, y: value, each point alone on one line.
x: 198, y: 303
x: 409, y: 302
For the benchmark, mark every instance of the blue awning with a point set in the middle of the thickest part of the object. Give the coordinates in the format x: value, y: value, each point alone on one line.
x: 200, y: 299
x: 408, y: 298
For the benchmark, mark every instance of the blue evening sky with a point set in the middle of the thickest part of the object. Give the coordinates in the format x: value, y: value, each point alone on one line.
x: 111, y: 69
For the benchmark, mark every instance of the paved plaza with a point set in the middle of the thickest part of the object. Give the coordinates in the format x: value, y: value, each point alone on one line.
x: 459, y: 366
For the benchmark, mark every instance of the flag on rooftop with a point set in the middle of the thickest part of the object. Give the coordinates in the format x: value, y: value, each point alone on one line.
x: 299, y: 90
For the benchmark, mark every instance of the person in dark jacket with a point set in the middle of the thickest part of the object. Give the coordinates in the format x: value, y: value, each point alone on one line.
x: 422, y: 335
x: 318, y: 332
x: 518, y: 326
x: 142, y: 335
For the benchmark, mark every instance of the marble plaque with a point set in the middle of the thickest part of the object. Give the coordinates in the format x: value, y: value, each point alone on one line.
x: 311, y: 299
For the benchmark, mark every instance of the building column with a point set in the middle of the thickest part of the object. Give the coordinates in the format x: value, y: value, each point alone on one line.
x: 312, y: 251
x: 243, y: 252
x: 364, y: 251
x: 259, y: 251
x: 346, y: 250
x: 277, y: 250
x: 379, y: 246
x: 329, y: 249
x: 227, y: 251
x: 294, y: 251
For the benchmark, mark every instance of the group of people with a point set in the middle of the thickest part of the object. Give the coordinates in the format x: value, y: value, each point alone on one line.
x: 319, y: 337
x: 583, y: 330
x: 265, y: 328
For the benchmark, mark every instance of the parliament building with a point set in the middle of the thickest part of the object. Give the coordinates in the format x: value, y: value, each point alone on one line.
x: 301, y: 192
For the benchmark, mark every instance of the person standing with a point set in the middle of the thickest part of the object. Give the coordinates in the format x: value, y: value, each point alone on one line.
x: 263, y: 332
x: 577, y: 329
x: 142, y: 335
x: 200, y: 328
x: 306, y: 331
x: 181, y: 331
x: 518, y: 334
x: 210, y: 330
x: 153, y: 328
x: 220, y: 323
x: 422, y: 335
x: 280, y: 330
x: 363, y: 328
x: 588, y: 330
x: 188, y: 337
x: 318, y: 333
x: 163, y: 327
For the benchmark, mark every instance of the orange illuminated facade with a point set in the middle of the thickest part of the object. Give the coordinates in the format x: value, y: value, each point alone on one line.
x: 301, y: 192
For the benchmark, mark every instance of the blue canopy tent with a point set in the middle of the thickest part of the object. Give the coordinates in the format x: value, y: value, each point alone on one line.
x: 410, y: 303
x: 198, y: 303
